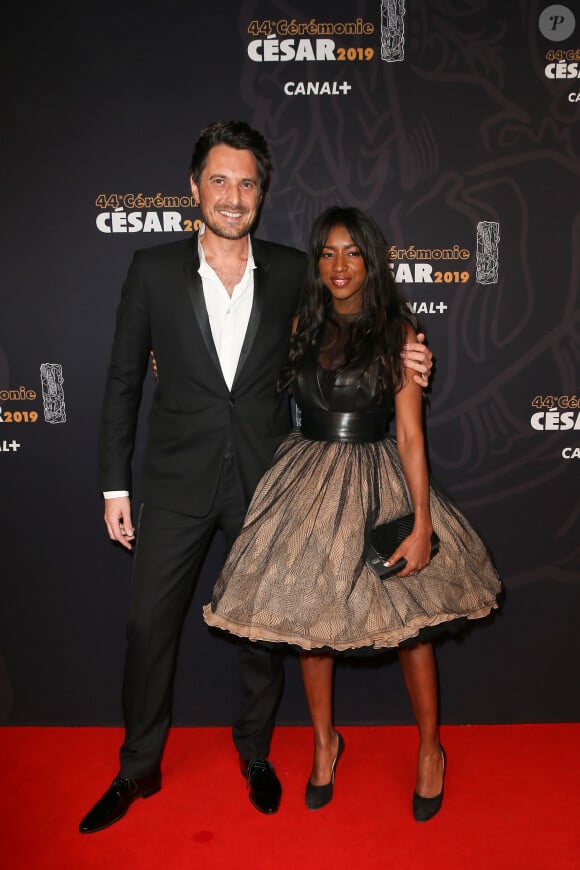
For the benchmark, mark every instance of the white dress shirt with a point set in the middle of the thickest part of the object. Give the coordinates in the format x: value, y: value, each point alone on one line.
x: 228, y: 317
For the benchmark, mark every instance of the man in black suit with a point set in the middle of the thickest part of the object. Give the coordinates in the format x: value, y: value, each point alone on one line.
x: 216, y: 309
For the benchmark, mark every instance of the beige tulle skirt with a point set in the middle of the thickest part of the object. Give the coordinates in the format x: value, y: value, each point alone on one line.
x: 297, y: 575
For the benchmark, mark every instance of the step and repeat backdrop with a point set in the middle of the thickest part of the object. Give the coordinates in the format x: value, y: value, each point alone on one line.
x: 455, y: 124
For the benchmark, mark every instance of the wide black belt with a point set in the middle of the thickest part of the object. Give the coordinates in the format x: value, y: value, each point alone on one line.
x: 344, y: 426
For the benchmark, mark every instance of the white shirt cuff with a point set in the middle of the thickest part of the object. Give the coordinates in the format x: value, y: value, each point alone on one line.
x: 115, y: 493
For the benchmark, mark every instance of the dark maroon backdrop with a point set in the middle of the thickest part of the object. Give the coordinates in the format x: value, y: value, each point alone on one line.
x: 466, y: 150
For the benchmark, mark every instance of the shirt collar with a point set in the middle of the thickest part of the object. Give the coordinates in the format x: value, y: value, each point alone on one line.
x: 203, y: 264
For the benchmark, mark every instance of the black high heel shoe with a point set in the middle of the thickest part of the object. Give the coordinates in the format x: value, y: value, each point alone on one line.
x: 317, y: 796
x: 425, y: 808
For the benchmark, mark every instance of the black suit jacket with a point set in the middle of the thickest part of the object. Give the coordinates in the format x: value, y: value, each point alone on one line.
x: 194, y: 415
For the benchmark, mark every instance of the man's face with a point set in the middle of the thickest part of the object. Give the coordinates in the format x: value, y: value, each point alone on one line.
x: 228, y: 192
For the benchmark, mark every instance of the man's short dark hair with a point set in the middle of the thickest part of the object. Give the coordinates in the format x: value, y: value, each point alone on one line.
x: 235, y: 134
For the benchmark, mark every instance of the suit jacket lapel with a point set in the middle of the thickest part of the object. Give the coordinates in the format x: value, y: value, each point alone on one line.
x: 261, y: 273
x: 195, y: 289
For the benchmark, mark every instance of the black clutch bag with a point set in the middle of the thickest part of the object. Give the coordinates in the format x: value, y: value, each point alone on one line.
x: 385, y: 539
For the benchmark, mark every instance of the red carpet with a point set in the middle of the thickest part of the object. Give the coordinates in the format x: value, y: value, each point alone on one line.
x: 511, y: 801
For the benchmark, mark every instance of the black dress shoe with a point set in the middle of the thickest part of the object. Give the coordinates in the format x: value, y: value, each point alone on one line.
x: 264, y: 786
x: 425, y: 808
x: 317, y: 796
x: 117, y: 800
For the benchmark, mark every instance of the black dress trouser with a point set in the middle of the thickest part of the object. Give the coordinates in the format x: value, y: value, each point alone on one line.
x: 168, y: 557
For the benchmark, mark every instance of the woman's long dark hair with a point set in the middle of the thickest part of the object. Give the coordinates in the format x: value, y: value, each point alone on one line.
x: 379, y: 331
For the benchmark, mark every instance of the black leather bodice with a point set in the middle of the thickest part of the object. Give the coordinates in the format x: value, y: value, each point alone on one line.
x: 339, y: 405
x: 320, y: 389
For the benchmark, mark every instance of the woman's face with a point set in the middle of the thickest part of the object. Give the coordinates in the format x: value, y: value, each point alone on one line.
x: 342, y: 271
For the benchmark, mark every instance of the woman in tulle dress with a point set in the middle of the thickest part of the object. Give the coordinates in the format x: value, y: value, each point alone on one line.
x: 297, y: 573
